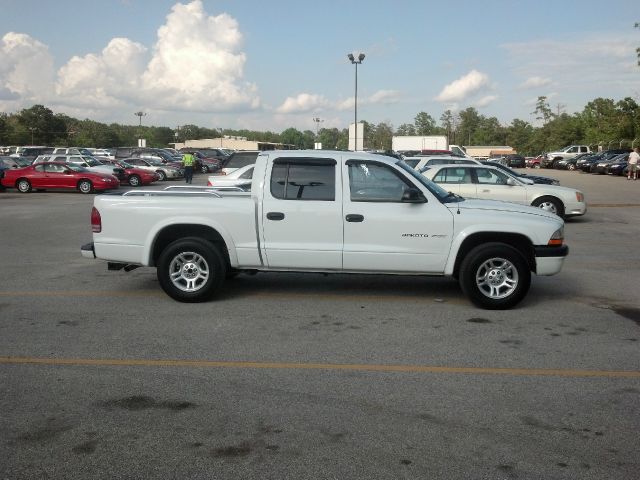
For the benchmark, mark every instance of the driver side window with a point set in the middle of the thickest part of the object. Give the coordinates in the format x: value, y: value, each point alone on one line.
x: 373, y: 182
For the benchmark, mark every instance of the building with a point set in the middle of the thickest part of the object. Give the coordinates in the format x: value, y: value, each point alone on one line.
x: 487, y: 151
x: 233, y: 143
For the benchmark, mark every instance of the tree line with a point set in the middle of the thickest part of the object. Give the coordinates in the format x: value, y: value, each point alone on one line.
x: 603, y: 122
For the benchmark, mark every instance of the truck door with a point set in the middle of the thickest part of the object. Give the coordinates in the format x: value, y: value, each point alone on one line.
x: 302, y: 214
x: 383, y: 231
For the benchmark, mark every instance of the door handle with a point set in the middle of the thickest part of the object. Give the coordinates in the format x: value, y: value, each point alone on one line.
x: 353, y: 217
x: 275, y: 216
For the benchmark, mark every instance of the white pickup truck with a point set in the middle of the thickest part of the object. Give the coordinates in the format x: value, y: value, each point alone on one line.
x: 331, y: 212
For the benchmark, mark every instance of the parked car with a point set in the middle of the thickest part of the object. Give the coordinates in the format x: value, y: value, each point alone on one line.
x: 240, y: 178
x: 206, y: 164
x: 160, y: 155
x: 491, y: 183
x: 516, y: 161
x: 523, y: 176
x: 29, y: 154
x: 570, y: 163
x: 421, y: 163
x: 602, y: 166
x: 533, y: 162
x: 239, y: 159
x: 88, y: 162
x: 72, y: 151
x: 58, y: 175
x: 552, y: 158
x: 619, y: 167
x: 131, y: 175
x: 165, y: 172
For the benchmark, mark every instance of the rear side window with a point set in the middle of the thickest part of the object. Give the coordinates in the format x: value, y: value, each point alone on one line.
x: 452, y: 175
x: 241, y: 159
x: 303, y: 180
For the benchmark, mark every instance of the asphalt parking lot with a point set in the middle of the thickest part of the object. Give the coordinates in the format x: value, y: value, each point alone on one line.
x: 312, y: 376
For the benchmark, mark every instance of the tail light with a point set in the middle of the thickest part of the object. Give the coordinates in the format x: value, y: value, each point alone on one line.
x: 209, y: 184
x: 96, y: 221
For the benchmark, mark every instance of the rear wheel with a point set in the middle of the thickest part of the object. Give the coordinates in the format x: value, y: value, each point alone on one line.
x: 23, y: 185
x: 495, y: 276
x: 550, y: 204
x: 191, y: 270
x: 162, y: 175
x: 134, y: 181
x: 571, y: 166
x: 85, y: 186
x: 204, y: 168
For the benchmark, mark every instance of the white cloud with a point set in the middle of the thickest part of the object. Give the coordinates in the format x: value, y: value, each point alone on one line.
x: 484, y: 101
x: 303, y: 102
x: 26, y: 70
x: 535, y: 82
x: 196, y: 65
x: 379, y: 97
x: 464, y: 87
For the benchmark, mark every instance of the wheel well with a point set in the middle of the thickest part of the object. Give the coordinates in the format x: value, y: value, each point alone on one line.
x: 175, y: 232
x: 519, y: 242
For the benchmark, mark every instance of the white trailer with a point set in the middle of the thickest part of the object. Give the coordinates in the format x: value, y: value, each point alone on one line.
x: 404, y: 143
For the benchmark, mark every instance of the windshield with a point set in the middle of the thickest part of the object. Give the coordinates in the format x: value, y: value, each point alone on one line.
x: 434, y: 188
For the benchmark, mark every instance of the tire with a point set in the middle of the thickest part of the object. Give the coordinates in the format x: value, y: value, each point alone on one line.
x: 191, y: 270
x: 134, y: 181
x: 550, y: 204
x: 23, y: 185
x: 85, y: 186
x: 495, y: 276
x: 571, y: 166
x: 204, y: 169
x: 163, y: 176
x: 537, y: 165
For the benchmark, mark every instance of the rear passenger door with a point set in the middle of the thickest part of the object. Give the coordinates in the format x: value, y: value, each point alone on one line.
x: 302, y: 214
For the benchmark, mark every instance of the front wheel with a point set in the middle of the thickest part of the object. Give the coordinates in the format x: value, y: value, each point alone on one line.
x: 162, y: 175
x: 204, y: 169
x: 495, y: 276
x: 191, y: 270
x: 23, y: 185
x: 571, y: 166
x: 550, y: 204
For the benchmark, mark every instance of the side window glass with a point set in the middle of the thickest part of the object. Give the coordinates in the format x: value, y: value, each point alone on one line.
x: 303, y: 181
x: 372, y: 182
x: 452, y: 175
x: 247, y: 174
x: 491, y: 177
x: 39, y: 168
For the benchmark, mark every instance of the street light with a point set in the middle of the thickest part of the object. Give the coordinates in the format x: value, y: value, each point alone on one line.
x: 33, y: 129
x: 356, y: 63
x: 140, y: 114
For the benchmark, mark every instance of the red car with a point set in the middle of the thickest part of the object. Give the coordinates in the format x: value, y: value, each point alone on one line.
x: 132, y: 176
x: 50, y: 175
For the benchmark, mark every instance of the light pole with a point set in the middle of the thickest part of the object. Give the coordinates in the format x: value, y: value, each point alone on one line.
x: 356, y: 63
x: 140, y: 114
x: 33, y: 129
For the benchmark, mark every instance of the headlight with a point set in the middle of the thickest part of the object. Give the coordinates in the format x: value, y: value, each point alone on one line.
x: 557, y: 238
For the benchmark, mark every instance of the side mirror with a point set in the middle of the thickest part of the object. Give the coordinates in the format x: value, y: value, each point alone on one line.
x: 413, y: 195
x: 511, y: 182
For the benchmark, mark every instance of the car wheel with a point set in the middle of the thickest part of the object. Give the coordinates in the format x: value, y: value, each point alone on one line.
x: 495, y: 276
x: 162, y: 175
x: 571, y: 166
x: 550, y: 204
x: 85, y: 186
x: 191, y: 270
x: 134, y: 180
x: 537, y: 165
x: 204, y: 169
x: 23, y: 185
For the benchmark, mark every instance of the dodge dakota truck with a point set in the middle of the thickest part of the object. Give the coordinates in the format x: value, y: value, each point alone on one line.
x: 330, y: 212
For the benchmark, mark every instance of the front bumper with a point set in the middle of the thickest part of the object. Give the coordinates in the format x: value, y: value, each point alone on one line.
x: 549, y: 259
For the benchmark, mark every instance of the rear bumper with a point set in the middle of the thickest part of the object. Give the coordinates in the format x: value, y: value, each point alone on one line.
x: 88, y: 251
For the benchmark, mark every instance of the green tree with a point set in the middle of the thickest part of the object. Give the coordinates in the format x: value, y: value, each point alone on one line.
x: 425, y: 124
x: 380, y: 138
x: 41, y: 125
x: 448, y: 122
x: 406, y: 129
x: 543, y: 110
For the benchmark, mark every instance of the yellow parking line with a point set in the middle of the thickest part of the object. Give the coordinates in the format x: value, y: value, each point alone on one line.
x: 105, y: 362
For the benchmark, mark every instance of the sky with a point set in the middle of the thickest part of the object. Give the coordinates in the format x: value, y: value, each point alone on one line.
x: 271, y: 65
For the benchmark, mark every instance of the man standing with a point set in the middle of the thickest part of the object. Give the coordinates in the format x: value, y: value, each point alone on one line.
x: 187, y: 161
x: 634, y: 159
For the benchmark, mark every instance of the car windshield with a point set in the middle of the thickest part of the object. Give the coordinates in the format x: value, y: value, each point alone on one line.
x: 92, y: 162
x: 433, y: 187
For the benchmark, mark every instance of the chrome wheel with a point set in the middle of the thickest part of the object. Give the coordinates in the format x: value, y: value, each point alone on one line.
x: 85, y: 186
x: 497, y: 278
x: 23, y: 186
x: 189, y: 271
x: 549, y: 207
